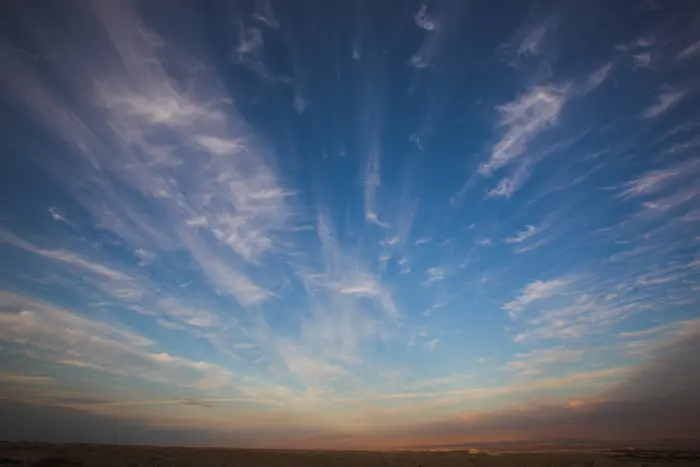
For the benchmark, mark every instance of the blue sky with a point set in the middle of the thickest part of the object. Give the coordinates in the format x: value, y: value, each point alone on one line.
x: 347, y: 223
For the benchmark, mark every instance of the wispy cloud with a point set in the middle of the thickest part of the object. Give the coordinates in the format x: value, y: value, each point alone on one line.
x: 424, y: 20
x: 656, y: 180
x: 432, y: 344
x: 535, y: 291
x: 422, y: 240
x: 531, y: 113
x: 26, y: 379
x: 483, y: 241
x: 664, y: 101
x: 436, y: 274
x: 596, y: 78
x: 57, y: 215
x: 112, y: 280
x: 689, y: 51
x: 265, y: 13
x: 534, y: 39
x: 66, y: 338
x: 241, y: 203
x: 372, y: 182
x: 539, y: 361
x: 530, y: 231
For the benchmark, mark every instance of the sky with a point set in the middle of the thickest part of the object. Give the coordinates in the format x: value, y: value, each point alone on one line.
x: 349, y: 223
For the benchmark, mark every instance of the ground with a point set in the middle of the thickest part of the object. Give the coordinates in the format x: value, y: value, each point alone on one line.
x: 85, y: 455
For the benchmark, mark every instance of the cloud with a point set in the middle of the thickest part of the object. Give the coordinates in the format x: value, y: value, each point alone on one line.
x: 436, y: 274
x: 66, y: 338
x: 534, y: 39
x: 654, y: 181
x: 663, y: 204
x: 110, y: 280
x: 597, y: 78
x: 642, y: 60
x: 670, y: 370
x: 592, y: 305
x: 665, y: 100
x: 523, y: 119
x: 221, y: 146
x: 192, y: 181
x: 509, y: 185
x: 647, y: 401
x: 432, y: 344
x: 57, y: 216
x: 372, y: 182
x: 529, y: 231
x: 265, y: 13
x: 439, y: 25
x: 308, y: 367
x: 538, y: 361
x: 424, y: 20
x: 345, y: 274
x: 535, y: 291
x: 26, y: 379
x: 689, y: 51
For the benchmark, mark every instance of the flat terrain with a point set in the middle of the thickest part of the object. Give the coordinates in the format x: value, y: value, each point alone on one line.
x: 85, y: 455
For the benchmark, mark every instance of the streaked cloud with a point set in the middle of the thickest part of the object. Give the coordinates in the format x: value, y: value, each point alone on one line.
x: 531, y: 113
x: 664, y: 101
x: 530, y: 231
x: 535, y: 291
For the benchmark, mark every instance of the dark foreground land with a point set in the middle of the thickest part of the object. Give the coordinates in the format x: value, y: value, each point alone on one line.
x: 85, y: 455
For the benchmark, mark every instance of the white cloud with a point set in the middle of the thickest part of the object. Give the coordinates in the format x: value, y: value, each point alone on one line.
x: 144, y: 255
x: 213, y: 171
x: 509, y: 185
x: 535, y: 291
x: 424, y: 20
x: 223, y: 276
x: 221, y: 146
x: 642, y: 60
x: 192, y: 317
x: 431, y: 44
x: 651, y: 182
x: 372, y: 182
x: 26, y: 379
x: 63, y: 337
x: 533, y: 40
x: 529, y: 231
x: 483, y: 241
x: 432, y: 344
x: 436, y: 274
x: 537, y: 362
x: 345, y: 274
x: 250, y: 41
x: 663, y: 204
x: 265, y: 13
x: 591, y: 306
x: 523, y: 119
x: 689, y: 51
x: 308, y: 368
x: 112, y: 281
x: 596, y: 78
x: 665, y: 101
x: 57, y: 216
x: 531, y: 245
